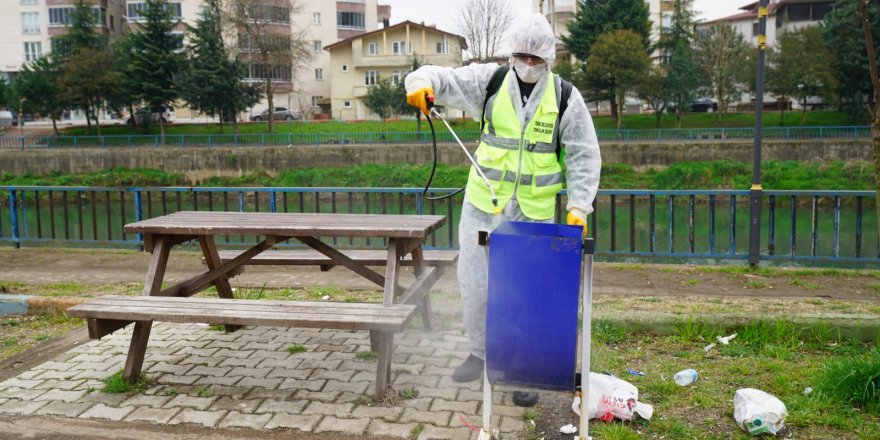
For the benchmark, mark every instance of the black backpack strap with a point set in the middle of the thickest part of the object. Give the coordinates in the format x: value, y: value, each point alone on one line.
x: 565, y: 93
x: 491, y: 89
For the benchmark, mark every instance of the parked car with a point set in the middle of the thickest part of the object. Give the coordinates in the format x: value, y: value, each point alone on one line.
x: 165, y: 114
x: 704, y: 105
x: 5, y: 119
x: 27, y: 117
x: 281, y: 114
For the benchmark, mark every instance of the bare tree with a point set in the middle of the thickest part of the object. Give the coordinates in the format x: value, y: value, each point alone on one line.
x: 483, y: 24
x: 875, y: 81
x: 267, y: 43
x: 720, y: 54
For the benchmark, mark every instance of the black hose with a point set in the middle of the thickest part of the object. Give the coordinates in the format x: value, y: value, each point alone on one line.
x: 434, y: 167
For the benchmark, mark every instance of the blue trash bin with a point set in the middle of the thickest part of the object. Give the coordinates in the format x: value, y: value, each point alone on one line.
x: 532, y: 311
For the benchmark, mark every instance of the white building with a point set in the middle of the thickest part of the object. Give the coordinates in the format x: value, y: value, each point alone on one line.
x: 783, y: 15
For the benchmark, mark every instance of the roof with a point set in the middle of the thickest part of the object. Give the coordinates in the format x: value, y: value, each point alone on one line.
x: 750, y: 11
x: 400, y: 25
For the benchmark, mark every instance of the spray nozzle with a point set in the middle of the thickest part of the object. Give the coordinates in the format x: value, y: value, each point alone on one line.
x: 429, y: 100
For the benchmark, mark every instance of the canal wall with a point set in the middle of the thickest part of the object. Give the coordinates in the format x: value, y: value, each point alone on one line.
x: 200, y: 162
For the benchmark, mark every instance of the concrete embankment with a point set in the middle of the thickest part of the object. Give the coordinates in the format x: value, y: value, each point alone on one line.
x: 200, y: 162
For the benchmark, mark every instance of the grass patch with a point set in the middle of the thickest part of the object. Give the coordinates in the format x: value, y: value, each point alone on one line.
x: 692, y: 329
x: 613, y: 431
x: 297, y: 349
x: 19, y: 333
x: 416, y: 431
x: 855, y: 380
x: 116, y: 384
x: 366, y: 356
x: 756, y: 284
x: 608, y: 332
x: 409, y: 394
x: 203, y: 391
x: 808, y: 285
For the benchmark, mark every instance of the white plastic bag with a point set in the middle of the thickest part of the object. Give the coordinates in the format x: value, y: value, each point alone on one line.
x: 611, y: 398
x: 757, y: 412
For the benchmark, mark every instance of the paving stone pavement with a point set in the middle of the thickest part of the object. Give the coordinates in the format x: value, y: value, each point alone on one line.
x: 249, y: 379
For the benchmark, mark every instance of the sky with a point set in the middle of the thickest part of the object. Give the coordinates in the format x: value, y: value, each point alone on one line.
x: 442, y: 12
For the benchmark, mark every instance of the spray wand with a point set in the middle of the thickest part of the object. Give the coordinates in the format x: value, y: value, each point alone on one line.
x: 433, y: 111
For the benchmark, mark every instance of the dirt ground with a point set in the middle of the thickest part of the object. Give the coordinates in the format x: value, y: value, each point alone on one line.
x: 617, y: 287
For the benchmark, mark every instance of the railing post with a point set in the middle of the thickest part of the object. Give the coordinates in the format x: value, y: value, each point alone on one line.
x: 13, y: 214
x: 21, y: 138
x: 139, y: 214
x: 272, y: 203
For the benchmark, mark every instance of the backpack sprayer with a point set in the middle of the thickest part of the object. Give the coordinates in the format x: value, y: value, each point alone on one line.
x: 433, y: 111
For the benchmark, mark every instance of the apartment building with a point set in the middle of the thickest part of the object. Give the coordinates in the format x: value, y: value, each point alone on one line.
x: 783, y: 15
x: 359, y: 62
x: 26, y: 28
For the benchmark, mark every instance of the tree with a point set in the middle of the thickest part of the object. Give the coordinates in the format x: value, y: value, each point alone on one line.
x: 386, y: 99
x: 800, y: 67
x: 677, y: 55
x: 483, y: 24
x: 155, y: 60
x: 596, y: 17
x: 865, y: 19
x: 720, y: 54
x: 211, y: 80
x: 4, y: 93
x: 842, y: 30
x: 270, y: 56
x: 652, y: 88
x: 619, y: 59
x: 87, y: 83
x: 38, y: 83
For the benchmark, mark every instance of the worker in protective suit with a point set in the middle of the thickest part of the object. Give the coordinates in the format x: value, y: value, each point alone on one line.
x: 517, y: 153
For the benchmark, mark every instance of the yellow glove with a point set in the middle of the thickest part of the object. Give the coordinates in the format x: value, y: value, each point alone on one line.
x: 419, y: 98
x: 576, y: 217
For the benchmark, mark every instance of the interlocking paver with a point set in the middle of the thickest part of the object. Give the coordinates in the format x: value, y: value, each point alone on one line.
x: 152, y: 415
x: 381, y: 427
x: 218, y: 380
x: 20, y: 383
x: 314, y: 364
x: 201, y: 370
x: 328, y: 409
x: 390, y: 414
x: 21, y: 393
x: 269, y: 354
x: 56, y: 384
x: 440, y: 393
x: 298, y: 373
x: 66, y: 409
x: 150, y: 401
x: 427, y: 360
x: 62, y: 395
x: 337, y: 375
x: 356, y: 366
x: 282, y: 406
x: 323, y: 396
x: 305, y: 423
x: 182, y: 400
x: 101, y: 411
x: 313, y: 385
x: 417, y: 380
x: 21, y: 407
x: 419, y: 404
x: 197, y: 417
x: 345, y: 426
x: 241, y: 420
x: 436, y: 418
x: 104, y: 398
x: 450, y: 405
x: 207, y: 360
x: 226, y: 403
x: 437, y: 433
x: 512, y: 424
x: 351, y: 387
x: 165, y: 367
x: 228, y: 353
x: 260, y: 382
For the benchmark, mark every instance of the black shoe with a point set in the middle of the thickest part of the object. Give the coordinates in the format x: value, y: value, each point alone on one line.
x: 471, y: 369
x: 525, y: 398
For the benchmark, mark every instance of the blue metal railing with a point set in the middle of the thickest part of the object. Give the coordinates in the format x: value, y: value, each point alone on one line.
x: 210, y: 140
x: 802, y: 226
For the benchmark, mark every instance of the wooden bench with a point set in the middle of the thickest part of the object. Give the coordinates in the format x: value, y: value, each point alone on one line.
x: 105, y: 314
x: 311, y: 257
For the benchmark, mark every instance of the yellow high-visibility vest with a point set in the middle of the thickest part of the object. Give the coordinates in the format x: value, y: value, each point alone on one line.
x: 518, y: 160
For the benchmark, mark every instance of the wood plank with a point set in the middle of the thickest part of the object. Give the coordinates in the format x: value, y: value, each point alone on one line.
x: 136, y: 350
x: 289, y: 224
x: 342, y: 259
x: 392, y: 273
x: 367, y: 257
x: 158, y: 262
x: 212, y: 259
x: 425, y: 303
x: 211, y: 302
x: 178, y: 314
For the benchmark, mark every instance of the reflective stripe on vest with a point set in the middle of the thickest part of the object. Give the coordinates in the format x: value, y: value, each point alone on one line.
x: 518, y: 160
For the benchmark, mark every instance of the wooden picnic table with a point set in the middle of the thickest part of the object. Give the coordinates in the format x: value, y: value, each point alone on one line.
x: 404, y: 235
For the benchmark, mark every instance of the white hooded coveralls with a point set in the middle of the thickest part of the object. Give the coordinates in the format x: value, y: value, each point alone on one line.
x: 465, y: 88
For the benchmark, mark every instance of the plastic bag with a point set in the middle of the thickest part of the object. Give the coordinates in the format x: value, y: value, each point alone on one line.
x: 612, y: 398
x: 757, y: 412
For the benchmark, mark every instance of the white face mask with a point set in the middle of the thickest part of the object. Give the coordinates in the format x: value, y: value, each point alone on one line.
x: 529, y: 74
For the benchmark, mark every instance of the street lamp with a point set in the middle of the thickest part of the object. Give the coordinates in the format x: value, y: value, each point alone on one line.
x: 756, y: 191
x: 21, y: 120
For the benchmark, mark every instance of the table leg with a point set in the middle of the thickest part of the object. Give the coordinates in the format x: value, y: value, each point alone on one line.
x: 383, y: 369
x: 137, y: 349
x: 425, y: 302
x: 158, y: 264
x: 392, y: 272
x: 212, y: 260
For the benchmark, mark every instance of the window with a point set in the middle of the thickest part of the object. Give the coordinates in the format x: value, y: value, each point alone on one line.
x: 345, y: 67
x: 30, y: 22
x: 178, y: 40
x: 395, y: 77
x: 33, y: 50
x: 61, y: 16
x: 30, y: 2
x: 319, y: 74
x: 401, y: 47
x: 316, y: 18
x: 443, y: 46
x: 315, y: 100
x: 111, y: 23
x: 346, y: 104
x: 373, y: 48
x: 318, y: 46
x: 350, y: 20
x: 135, y: 11
x: 371, y: 77
x: 256, y: 72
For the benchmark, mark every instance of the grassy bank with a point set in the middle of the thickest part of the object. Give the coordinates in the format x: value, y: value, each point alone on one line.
x: 776, y: 175
x: 631, y: 122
